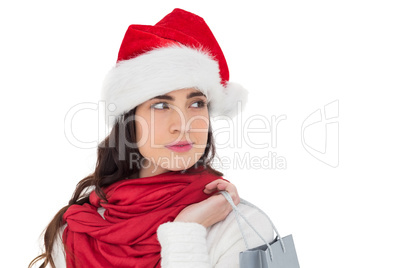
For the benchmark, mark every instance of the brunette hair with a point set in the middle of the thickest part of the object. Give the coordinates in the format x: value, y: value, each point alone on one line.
x: 112, y: 166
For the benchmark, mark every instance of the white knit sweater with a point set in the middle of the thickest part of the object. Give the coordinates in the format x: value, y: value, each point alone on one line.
x: 192, y: 245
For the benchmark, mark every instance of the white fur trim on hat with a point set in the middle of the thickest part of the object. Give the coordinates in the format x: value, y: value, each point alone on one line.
x: 162, y: 70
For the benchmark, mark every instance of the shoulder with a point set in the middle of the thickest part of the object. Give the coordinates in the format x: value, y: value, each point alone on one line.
x: 225, y: 240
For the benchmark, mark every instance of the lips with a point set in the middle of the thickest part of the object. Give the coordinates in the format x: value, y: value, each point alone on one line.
x: 182, y: 146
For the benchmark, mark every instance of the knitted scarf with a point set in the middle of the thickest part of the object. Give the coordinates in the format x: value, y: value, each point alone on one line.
x: 126, y: 236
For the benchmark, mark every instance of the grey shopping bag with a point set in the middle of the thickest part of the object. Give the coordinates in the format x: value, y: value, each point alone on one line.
x: 280, y: 253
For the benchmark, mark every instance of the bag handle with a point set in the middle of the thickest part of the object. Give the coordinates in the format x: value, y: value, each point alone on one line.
x: 237, y: 214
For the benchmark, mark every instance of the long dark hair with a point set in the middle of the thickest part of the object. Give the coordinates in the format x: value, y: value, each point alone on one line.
x: 112, y: 166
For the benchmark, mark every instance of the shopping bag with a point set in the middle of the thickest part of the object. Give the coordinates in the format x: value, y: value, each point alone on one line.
x: 280, y: 253
x: 259, y: 257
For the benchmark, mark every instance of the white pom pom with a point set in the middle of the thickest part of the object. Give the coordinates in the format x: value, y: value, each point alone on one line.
x: 231, y: 102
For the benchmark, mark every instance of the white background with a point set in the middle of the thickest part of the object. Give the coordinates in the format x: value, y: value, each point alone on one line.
x: 294, y: 57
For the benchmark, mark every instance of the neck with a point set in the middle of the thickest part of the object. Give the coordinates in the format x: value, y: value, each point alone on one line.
x: 148, y: 173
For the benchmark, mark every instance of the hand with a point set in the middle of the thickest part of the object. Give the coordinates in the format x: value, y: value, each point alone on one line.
x: 213, y: 209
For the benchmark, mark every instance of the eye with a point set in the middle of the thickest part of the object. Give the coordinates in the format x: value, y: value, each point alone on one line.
x: 160, y: 105
x: 201, y: 104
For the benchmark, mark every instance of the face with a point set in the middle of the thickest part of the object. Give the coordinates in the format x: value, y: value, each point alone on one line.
x: 180, y: 116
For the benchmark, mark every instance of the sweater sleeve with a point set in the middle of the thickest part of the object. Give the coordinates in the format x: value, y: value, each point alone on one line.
x: 183, y: 245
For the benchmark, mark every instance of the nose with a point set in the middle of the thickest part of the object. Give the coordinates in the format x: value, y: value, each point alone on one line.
x: 179, y: 121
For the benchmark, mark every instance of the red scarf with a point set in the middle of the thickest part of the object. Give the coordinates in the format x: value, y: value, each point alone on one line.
x: 134, y: 211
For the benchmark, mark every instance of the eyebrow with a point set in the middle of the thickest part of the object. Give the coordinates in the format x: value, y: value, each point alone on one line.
x: 190, y: 95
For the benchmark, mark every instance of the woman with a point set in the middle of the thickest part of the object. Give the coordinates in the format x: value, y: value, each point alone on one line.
x: 153, y: 199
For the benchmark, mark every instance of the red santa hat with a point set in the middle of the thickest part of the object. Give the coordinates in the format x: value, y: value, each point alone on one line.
x: 178, y: 52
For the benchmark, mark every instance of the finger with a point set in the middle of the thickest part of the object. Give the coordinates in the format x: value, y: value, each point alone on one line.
x: 236, y: 199
x: 223, y: 185
x: 215, y: 185
x: 231, y: 189
x: 219, y: 186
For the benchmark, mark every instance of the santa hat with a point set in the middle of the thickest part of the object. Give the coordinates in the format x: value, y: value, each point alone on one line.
x: 178, y: 52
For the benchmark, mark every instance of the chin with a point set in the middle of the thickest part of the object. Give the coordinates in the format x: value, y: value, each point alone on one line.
x: 179, y: 168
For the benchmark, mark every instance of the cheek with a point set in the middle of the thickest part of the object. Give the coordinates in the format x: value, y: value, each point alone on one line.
x: 142, y: 131
x: 147, y: 130
x: 139, y: 130
x: 143, y: 141
x: 158, y: 129
x: 201, y: 124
